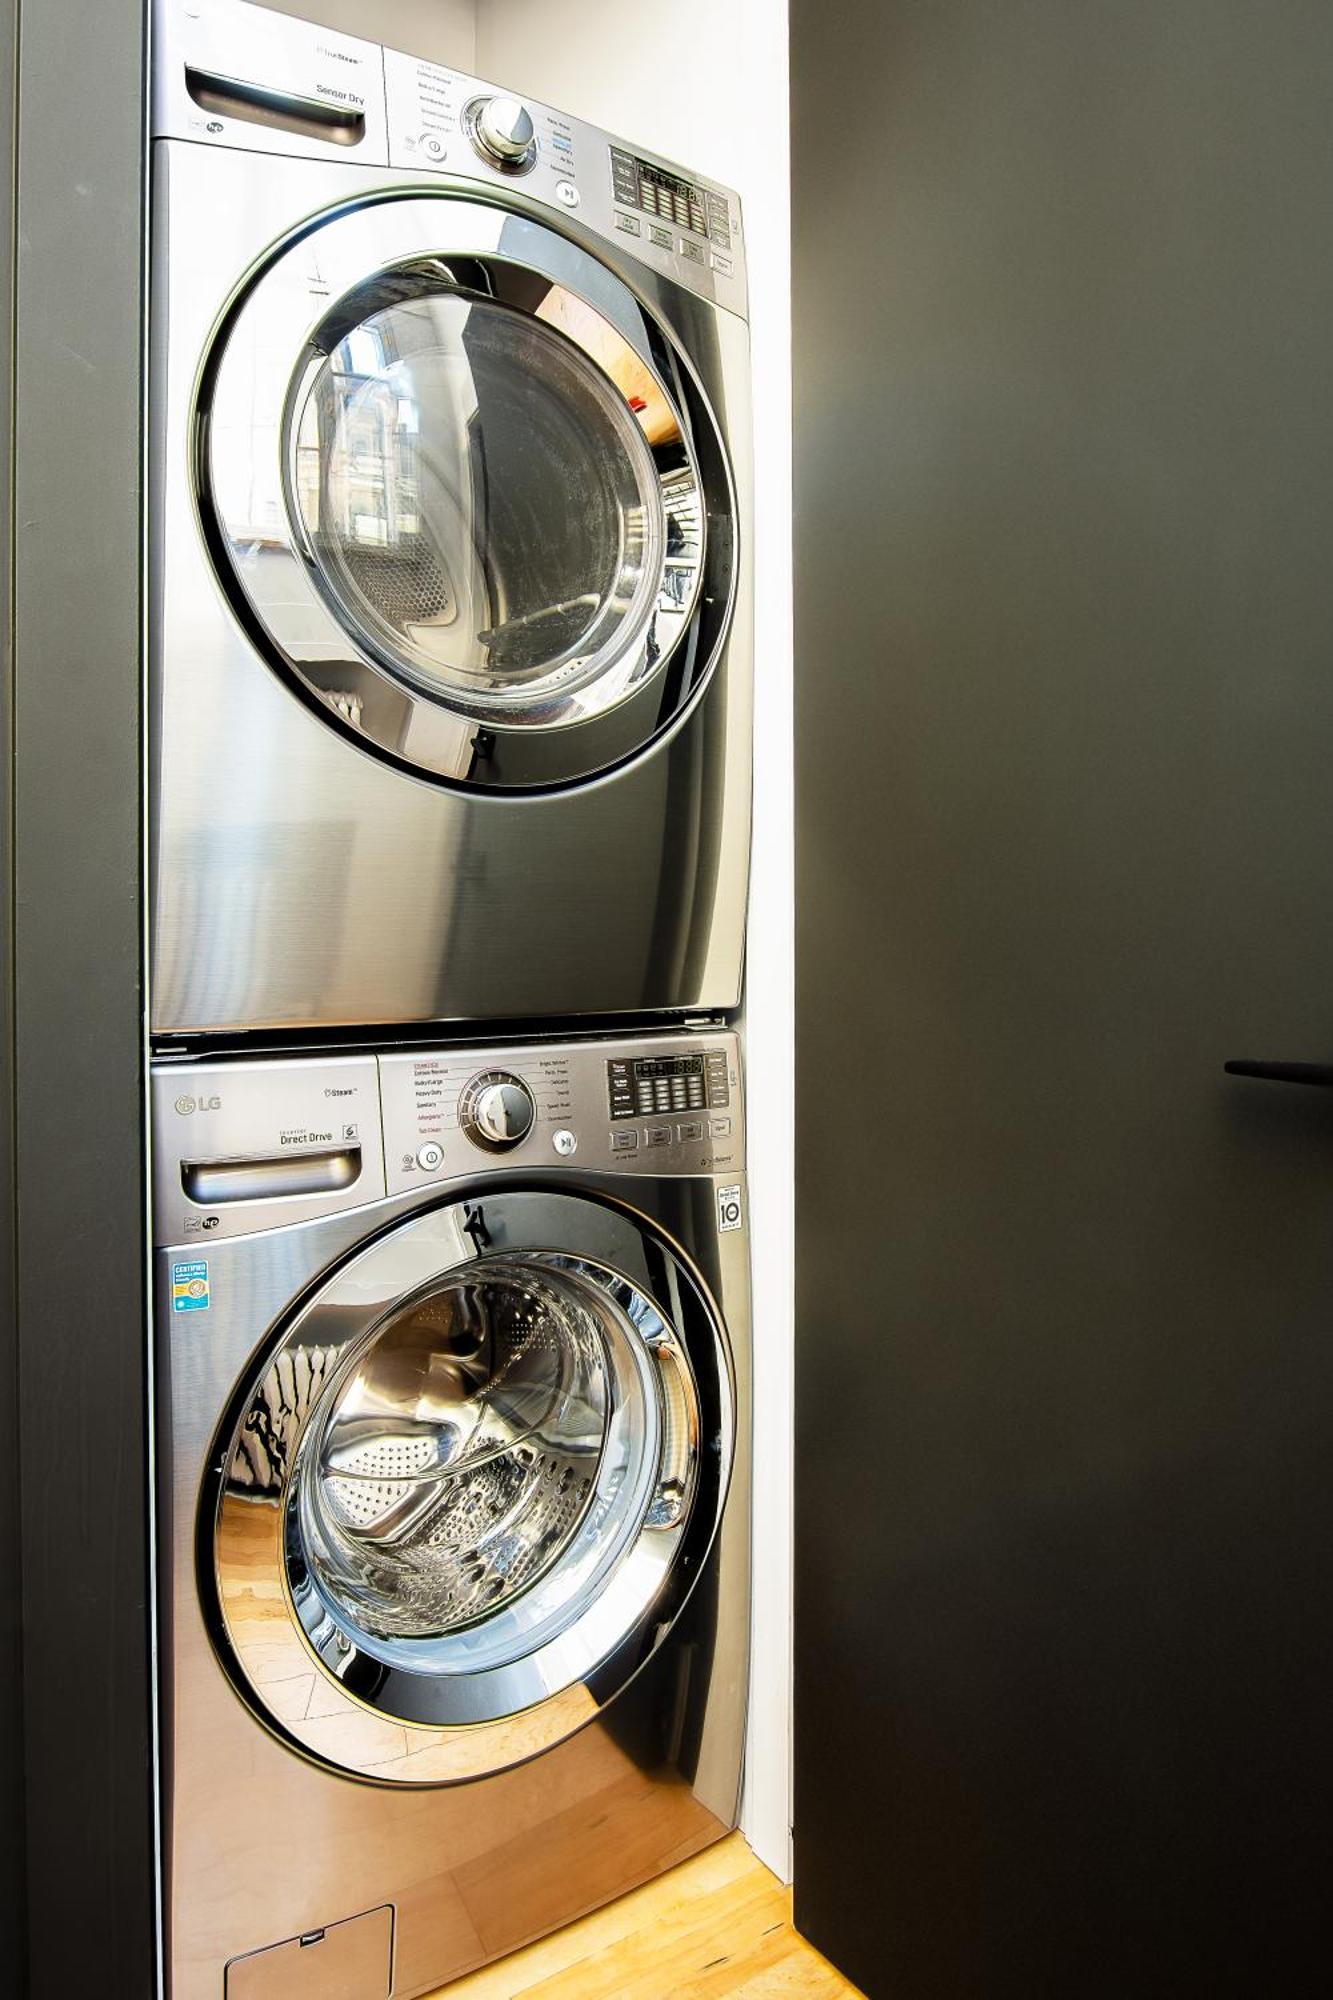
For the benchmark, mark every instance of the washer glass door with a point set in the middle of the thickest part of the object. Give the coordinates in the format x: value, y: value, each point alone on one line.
x: 477, y: 1503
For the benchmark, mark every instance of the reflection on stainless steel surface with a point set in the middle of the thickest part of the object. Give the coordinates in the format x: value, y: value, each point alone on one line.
x: 297, y: 877
x: 369, y: 1381
x: 351, y: 1960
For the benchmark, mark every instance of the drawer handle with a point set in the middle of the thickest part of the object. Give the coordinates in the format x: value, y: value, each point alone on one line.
x: 211, y: 1182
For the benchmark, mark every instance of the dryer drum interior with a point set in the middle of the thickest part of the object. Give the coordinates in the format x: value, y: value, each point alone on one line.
x: 463, y: 489
x: 475, y: 1509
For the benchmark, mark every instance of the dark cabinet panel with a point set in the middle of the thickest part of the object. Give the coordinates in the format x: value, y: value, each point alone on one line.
x: 1064, y: 560
x: 13, y: 1925
x: 78, y: 920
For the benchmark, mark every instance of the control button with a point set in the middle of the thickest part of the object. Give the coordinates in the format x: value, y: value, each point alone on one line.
x: 628, y: 224
x: 694, y: 251
x: 722, y: 264
x: 625, y: 1142
x: 661, y: 237
x: 565, y: 1142
x: 566, y: 192
x: 718, y: 1094
x: 496, y: 1110
x: 692, y: 1128
x: 720, y: 1128
x: 432, y: 145
x: 504, y: 130
x: 658, y: 1135
x: 430, y: 1157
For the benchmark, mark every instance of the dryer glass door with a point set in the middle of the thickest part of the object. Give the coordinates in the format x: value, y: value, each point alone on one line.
x: 464, y: 489
x: 482, y: 507
x: 478, y: 1481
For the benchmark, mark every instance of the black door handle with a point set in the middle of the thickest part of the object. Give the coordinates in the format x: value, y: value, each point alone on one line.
x: 1319, y: 1074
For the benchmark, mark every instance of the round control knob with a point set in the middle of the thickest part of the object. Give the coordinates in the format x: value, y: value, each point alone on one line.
x: 496, y: 1110
x: 504, y: 130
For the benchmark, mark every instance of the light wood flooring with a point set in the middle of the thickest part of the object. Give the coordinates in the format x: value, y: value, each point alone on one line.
x: 716, y: 1928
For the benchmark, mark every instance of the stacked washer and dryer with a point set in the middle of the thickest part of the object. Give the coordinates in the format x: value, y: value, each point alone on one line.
x: 450, y: 783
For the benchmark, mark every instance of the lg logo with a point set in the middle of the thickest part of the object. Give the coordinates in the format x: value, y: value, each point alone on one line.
x: 185, y: 1105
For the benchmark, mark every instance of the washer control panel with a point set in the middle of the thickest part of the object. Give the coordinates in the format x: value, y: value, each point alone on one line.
x: 241, y: 1146
x: 656, y: 1104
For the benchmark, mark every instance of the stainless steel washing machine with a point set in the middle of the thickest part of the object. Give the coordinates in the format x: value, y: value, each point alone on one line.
x: 453, y: 1523
x: 451, y: 611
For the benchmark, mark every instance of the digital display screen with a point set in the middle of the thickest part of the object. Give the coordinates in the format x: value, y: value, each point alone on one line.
x: 670, y: 199
x: 650, y: 1086
x: 674, y: 200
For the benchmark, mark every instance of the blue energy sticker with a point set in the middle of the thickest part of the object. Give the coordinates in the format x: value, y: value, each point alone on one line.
x: 189, y: 1288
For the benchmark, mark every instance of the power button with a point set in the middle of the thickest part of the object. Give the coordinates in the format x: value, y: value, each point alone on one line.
x: 430, y: 1157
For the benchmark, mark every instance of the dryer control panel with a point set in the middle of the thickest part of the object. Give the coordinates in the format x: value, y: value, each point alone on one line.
x: 681, y: 224
x: 240, y: 1146
x: 228, y: 73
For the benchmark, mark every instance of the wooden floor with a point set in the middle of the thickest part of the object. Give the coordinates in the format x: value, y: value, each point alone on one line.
x: 717, y: 1926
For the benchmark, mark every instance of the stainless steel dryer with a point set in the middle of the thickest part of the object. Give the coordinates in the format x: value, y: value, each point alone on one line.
x: 451, y: 637
x: 453, y: 1524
